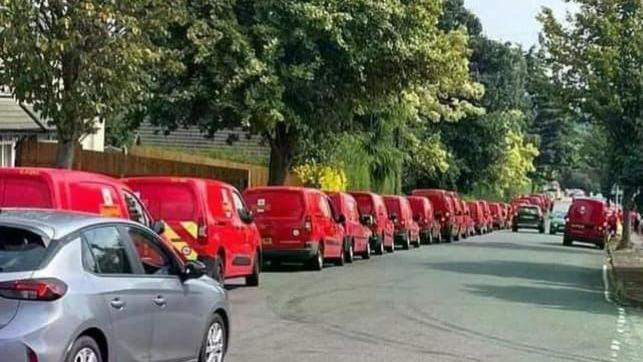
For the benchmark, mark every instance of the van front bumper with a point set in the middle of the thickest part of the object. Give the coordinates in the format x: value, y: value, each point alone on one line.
x: 296, y: 254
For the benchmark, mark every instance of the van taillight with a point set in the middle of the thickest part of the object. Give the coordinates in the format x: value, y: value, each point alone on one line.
x: 45, y: 290
x: 308, y: 224
x: 202, y: 232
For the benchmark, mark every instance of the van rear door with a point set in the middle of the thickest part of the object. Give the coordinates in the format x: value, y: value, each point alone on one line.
x: 26, y: 189
x: 279, y: 216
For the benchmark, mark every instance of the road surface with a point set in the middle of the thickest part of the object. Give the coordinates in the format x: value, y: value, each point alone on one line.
x: 499, y: 297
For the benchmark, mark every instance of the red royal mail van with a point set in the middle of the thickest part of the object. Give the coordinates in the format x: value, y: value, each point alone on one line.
x: 443, y: 210
x: 468, y: 221
x: 71, y: 190
x: 497, y: 215
x: 487, y: 216
x: 587, y: 222
x: 423, y: 215
x: 297, y: 224
x: 382, y: 227
x: 407, y: 231
x: 459, y: 215
x: 356, y: 226
x: 205, y: 220
x: 477, y: 217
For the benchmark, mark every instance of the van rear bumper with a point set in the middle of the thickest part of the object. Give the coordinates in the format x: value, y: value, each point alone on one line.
x: 298, y: 254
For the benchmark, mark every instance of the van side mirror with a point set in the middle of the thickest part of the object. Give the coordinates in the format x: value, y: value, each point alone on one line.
x: 246, y: 216
x: 340, y: 219
x: 158, y: 227
x: 366, y: 220
x: 416, y: 218
x: 393, y: 216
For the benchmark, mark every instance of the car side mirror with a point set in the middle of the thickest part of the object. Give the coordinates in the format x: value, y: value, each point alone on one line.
x: 158, y: 227
x: 341, y: 219
x: 246, y: 216
x: 194, y: 269
x: 393, y: 216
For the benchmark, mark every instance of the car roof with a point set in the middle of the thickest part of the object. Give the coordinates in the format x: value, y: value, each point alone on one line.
x: 54, y: 224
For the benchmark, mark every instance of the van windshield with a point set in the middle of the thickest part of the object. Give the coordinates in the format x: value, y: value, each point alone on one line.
x: 364, y: 204
x: 276, y: 204
x: 20, y: 250
x: 24, y: 191
x: 169, y: 202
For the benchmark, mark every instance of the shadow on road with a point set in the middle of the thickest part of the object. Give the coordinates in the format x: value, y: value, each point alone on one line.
x: 550, y: 247
x: 573, y: 299
x: 576, y: 246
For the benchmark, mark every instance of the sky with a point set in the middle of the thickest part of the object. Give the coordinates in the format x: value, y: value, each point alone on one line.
x: 514, y: 20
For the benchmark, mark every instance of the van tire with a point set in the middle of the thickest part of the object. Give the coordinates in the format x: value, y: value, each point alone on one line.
x: 541, y: 229
x: 342, y: 259
x: 317, y: 261
x: 349, y: 256
x: 367, y: 253
x: 213, y: 268
x: 252, y: 280
x: 567, y: 241
x: 380, y: 247
x: 83, y: 342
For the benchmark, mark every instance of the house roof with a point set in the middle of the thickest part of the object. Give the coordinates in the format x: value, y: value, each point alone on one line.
x: 17, y: 117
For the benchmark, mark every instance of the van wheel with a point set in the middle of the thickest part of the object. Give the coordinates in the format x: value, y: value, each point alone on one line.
x: 418, y: 242
x: 317, y: 262
x: 380, y: 247
x: 567, y: 241
x: 214, y: 268
x: 252, y: 280
x: 350, y: 253
x: 367, y: 253
x: 455, y: 237
x: 514, y: 229
x: 84, y: 349
x: 341, y: 260
x: 541, y: 229
x: 391, y: 249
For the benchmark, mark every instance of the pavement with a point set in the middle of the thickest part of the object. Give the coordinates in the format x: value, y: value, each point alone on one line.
x: 627, y: 271
x: 499, y: 297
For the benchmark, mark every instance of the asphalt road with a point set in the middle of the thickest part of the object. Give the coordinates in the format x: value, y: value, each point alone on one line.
x: 499, y: 297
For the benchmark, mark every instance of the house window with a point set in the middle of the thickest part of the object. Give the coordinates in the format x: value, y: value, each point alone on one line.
x: 7, y: 156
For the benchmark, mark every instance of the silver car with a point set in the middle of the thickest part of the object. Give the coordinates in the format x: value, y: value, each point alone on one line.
x: 81, y: 288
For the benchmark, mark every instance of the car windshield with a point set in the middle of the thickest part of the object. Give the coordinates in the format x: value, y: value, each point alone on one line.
x: 528, y: 211
x: 20, y: 250
x: 558, y: 214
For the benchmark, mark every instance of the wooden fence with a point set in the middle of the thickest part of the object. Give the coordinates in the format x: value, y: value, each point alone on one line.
x: 145, y: 163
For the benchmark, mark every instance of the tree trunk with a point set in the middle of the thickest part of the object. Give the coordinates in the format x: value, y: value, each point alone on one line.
x: 628, y: 197
x: 281, y: 155
x: 65, y: 154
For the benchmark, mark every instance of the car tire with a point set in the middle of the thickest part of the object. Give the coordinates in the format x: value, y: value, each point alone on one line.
x: 84, y: 346
x: 252, y: 280
x: 317, y: 262
x: 541, y: 229
x: 367, y: 253
x: 214, y: 339
x: 350, y: 253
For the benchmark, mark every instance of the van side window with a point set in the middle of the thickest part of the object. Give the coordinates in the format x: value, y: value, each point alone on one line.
x: 135, y: 208
x: 239, y: 205
x: 324, y: 207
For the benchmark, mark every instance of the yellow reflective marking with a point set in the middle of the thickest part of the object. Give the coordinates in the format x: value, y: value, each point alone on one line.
x: 180, y: 245
x: 191, y: 227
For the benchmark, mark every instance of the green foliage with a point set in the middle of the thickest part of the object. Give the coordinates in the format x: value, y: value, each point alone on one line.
x: 78, y: 63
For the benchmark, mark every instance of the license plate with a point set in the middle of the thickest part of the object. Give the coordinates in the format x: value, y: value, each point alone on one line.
x: 577, y: 226
x: 266, y: 241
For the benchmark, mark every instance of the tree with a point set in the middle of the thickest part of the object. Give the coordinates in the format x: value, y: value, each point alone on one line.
x: 597, y: 60
x: 77, y: 62
x: 314, y: 67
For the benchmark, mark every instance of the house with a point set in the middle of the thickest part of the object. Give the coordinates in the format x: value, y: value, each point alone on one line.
x: 235, y: 141
x: 20, y: 122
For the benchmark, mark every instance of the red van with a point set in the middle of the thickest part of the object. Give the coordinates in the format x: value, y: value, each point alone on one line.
x: 382, y: 227
x: 587, y: 222
x: 459, y: 215
x: 297, y: 224
x: 356, y: 226
x: 468, y: 220
x: 407, y: 231
x: 423, y: 215
x: 46, y: 188
x: 205, y: 220
x: 477, y: 217
x: 487, y: 216
x: 443, y: 210
x: 497, y: 215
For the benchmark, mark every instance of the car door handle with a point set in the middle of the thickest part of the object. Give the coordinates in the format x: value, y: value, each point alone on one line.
x: 160, y: 301
x: 117, y: 303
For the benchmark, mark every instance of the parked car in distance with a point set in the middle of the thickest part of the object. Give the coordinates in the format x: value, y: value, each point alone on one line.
x: 407, y: 231
x: 424, y: 216
x: 477, y: 217
x: 443, y: 211
x: 57, y: 189
x: 80, y: 287
x: 528, y: 217
x: 297, y: 224
x: 557, y: 222
x: 383, y: 229
x: 205, y: 220
x: 587, y: 222
x: 356, y: 226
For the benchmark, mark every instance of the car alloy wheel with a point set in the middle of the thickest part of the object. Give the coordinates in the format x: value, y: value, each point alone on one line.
x: 86, y: 355
x: 215, y: 342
